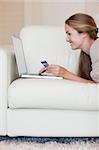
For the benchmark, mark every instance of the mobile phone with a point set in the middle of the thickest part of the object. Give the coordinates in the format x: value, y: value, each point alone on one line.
x: 45, y: 63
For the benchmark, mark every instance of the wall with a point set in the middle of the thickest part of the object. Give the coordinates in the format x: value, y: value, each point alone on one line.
x: 48, y: 12
x: 14, y: 14
x: 11, y: 19
x: 92, y: 7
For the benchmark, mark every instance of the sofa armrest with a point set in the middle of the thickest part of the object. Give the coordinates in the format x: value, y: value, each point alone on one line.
x: 8, y: 73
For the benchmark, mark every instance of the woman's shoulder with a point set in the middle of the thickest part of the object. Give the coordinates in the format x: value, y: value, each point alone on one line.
x: 94, y: 55
x: 96, y: 42
x: 94, y: 50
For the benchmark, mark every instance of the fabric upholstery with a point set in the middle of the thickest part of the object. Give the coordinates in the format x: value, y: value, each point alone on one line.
x: 54, y: 123
x: 52, y: 94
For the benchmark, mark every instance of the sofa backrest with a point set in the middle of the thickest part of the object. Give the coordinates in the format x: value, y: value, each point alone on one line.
x: 47, y: 43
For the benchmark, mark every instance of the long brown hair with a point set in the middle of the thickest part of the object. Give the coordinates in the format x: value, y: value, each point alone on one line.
x: 83, y: 23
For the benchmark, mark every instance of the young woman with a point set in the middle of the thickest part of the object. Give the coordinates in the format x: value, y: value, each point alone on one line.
x: 81, y: 33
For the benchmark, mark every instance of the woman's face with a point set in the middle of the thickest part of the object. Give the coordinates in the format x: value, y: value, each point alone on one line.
x: 73, y: 37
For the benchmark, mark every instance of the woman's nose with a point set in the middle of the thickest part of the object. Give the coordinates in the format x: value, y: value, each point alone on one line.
x: 67, y: 38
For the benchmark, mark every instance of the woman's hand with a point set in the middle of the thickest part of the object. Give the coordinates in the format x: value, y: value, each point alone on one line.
x: 42, y: 70
x: 55, y: 70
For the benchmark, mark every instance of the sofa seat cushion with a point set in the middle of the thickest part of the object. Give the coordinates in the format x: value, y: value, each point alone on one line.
x: 52, y: 94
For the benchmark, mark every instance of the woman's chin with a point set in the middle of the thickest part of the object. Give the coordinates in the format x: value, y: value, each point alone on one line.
x: 73, y: 47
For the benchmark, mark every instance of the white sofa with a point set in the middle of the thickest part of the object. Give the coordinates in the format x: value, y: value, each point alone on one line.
x: 46, y: 107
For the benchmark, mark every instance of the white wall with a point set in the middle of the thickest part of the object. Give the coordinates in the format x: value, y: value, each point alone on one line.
x: 14, y: 14
x: 55, y: 12
x: 48, y: 12
x: 92, y: 8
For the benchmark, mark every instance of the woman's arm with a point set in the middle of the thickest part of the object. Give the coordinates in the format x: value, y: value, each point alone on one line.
x: 60, y: 71
x: 71, y: 76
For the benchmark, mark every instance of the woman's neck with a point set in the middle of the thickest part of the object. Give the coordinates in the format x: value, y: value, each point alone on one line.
x: 86, y: 45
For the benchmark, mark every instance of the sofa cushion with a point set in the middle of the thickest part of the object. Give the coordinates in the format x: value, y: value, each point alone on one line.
x: 52, y: 94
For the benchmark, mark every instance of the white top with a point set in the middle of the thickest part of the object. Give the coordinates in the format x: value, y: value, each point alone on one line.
x: 94, y: 55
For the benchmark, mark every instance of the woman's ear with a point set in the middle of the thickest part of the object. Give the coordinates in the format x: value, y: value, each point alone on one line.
x: 84, y: 34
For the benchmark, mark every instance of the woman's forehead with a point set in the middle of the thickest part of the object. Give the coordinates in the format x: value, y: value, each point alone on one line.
x: 68, y: 28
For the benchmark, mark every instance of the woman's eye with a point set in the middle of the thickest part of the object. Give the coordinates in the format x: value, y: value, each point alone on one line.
x: 68, y: 33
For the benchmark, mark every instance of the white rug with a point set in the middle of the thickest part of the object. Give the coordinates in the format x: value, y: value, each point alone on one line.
x: 48, y: 146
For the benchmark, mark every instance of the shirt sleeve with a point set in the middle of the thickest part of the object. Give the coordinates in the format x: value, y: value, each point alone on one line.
x: 94, y: 54
x: 95, y: 72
